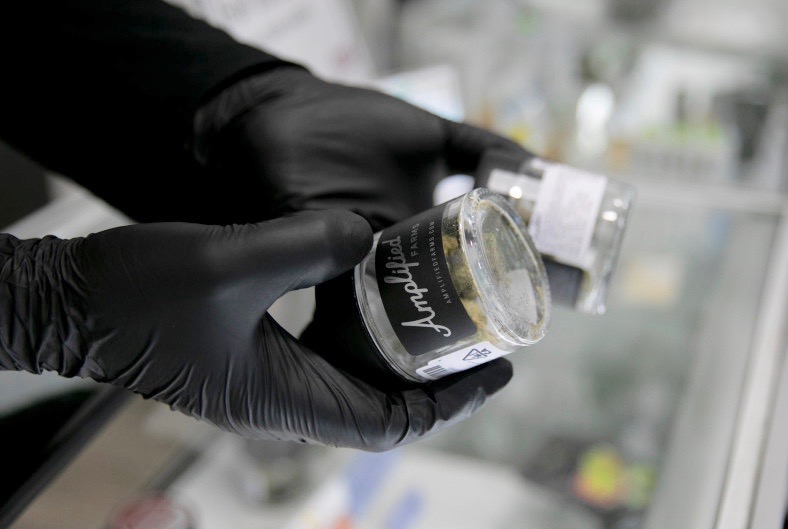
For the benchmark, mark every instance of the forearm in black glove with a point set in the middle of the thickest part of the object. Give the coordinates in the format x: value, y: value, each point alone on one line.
x: 105, y: 91
x: 177, y: 313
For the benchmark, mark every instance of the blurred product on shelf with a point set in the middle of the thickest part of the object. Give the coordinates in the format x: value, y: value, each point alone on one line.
x: 153, y: 511
x: 274, y: 472
x: 635, y: 11
x: 608, y: 90
x: 667, y: 125
x: 597, y: 476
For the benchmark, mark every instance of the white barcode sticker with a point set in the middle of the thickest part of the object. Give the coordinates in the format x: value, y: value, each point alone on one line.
x: 566, y: 212
x: 460, y: 360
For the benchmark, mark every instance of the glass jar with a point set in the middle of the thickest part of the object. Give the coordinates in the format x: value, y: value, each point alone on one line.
x: 452, y: 288
x: 576, y: 219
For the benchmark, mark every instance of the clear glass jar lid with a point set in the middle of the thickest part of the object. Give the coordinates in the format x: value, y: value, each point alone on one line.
x: 508, y: 271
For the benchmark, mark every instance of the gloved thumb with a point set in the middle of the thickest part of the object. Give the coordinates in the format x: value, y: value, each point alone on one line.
x: 291, y: 252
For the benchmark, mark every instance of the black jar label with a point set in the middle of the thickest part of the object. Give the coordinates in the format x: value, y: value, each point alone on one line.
x: 413, y: 278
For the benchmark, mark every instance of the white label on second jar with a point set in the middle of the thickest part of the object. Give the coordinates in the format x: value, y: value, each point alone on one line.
x: 566, y: 212
x: 461, y: 360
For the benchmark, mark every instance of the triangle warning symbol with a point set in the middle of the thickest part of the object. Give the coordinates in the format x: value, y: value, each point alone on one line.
x: 476, y: 354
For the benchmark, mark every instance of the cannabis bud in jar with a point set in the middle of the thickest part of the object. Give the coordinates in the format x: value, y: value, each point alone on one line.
x: 454, y: 287
x: 576, y: 219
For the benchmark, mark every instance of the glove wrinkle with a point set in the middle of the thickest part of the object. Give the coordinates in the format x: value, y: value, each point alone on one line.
x: 421, y: 413
x: 40, y: 327
x: 398, y: 425
x: 203, y: 399
x: 227, y: 398
x: 173, y: 388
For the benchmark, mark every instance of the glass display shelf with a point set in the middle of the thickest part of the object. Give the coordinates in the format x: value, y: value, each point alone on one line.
x: 660, y: 414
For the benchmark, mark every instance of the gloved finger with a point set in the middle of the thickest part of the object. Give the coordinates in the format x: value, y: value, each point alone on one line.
x: 292, y: 252
x: 434, y: 406
x: 412, y: 414
x: 338, y: 409
x: 466, y: 144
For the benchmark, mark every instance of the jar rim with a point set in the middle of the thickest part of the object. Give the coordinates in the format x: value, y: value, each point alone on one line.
x: 520, y: 308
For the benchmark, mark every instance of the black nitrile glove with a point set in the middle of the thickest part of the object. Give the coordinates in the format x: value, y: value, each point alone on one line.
x: 177, y: 313
x: 319, y: 145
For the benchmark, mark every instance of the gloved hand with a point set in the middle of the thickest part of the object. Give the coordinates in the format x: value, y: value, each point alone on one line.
x: 177, y: 313
x: 312, y: 144
x: 320, y: 145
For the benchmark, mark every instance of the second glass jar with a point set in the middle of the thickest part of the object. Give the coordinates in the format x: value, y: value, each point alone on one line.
x: 577, y: 220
